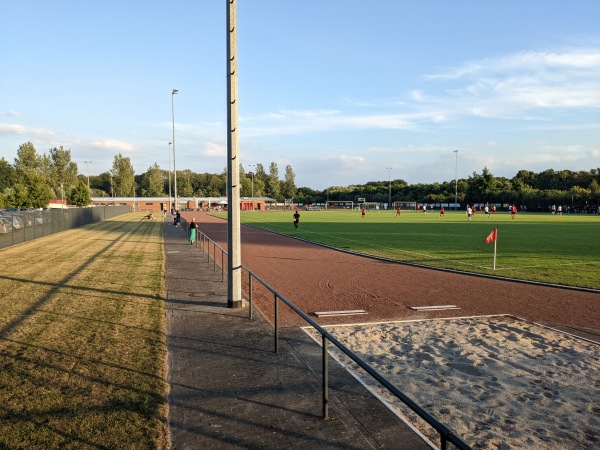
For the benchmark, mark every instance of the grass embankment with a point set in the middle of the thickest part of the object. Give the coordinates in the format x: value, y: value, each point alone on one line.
x: 539, y: 247
x: 82, y: 342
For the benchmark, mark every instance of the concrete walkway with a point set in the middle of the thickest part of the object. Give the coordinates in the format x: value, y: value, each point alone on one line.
x: 228, y: 389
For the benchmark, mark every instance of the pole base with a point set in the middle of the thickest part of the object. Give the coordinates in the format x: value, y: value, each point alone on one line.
x: 235, y: 303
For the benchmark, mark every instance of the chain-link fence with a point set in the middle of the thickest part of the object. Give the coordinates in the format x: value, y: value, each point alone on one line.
x: 21, y: 226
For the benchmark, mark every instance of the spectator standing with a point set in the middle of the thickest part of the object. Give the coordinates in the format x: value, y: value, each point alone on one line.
x: 192, y: 231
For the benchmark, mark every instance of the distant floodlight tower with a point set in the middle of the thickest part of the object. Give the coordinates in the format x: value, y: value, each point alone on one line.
x: 252, y: 173
x: 88, y: 172
x: 456, y: 181
x: 175, y: 91
x: 170, y: 203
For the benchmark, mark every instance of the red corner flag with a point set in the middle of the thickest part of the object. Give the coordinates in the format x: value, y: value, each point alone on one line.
x: 492, y: 237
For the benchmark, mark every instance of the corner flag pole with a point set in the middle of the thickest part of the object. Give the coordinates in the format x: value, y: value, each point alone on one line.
x: 495, y: 242
x: 493, y: 236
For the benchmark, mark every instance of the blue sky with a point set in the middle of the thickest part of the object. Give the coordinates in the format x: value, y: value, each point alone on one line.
x: 340, y: 90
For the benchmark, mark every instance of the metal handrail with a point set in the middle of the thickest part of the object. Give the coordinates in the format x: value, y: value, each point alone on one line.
x: 447, y: 436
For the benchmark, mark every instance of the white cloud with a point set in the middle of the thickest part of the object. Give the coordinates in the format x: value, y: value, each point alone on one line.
x: 527, y: 80
x: 588, y: 61
x: 10, y: 113
x: 12, y: 128
x: 214, y: 150
x: 109, y: 144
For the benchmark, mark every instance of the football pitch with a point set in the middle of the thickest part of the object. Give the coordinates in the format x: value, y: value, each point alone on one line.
x: 547, y: 248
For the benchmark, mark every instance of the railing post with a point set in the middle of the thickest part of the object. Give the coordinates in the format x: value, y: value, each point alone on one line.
x: 207, y: 250
x: 214, y: 257
x: 222, y: 265
x: 276, y: 324
x: 325, y: 379
x: 249, y: 295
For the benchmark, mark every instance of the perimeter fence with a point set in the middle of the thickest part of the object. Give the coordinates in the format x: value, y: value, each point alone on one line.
x: 17, y: 227
x: 448, y: 439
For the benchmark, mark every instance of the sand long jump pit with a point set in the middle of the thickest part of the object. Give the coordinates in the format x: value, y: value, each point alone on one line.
x: 499, y: 382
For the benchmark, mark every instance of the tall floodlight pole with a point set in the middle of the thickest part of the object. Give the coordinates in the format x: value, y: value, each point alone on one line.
x: 234, y: 256
x: 456, y: 181
x: 252, y: 173
x: 88, y: 172
x: 389, y: 169
x: 327, y: 196
x: 170, y: 204
x: 175, y: 91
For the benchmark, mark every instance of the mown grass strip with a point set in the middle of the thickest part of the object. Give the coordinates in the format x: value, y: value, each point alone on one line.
x: 538, y: 247
x: 82, y: 338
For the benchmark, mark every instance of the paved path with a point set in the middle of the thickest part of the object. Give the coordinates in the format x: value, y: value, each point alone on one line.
x: 229, y: 390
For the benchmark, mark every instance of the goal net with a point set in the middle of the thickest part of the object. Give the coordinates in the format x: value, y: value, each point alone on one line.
x: 332, y: 204
x: 370, y: 206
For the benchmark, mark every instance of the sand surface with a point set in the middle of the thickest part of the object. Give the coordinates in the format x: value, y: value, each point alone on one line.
x: 499, y: 383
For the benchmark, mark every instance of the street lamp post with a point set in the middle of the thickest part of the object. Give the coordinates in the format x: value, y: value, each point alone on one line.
x: 252, y: 173
x: 175, y: 91
x: 88, y: 172
x: 456, y: 181
x: 389, y: 169
x: 170, y: 204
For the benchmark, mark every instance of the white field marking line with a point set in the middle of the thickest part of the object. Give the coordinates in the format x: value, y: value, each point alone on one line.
x: 341, y: 313
x: 173, y: 251
x: 434, y: 308
x: 384, y: 322
x: 543, y: 265
x: 425, y: 255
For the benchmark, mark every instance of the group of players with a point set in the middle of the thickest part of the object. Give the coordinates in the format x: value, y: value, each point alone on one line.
x: 470, y: 212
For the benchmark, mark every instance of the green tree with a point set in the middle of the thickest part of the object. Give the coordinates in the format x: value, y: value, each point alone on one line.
x: 123, y: 176
x: 184, y: 184
x: 100, y: 184
x: 273, y: 186
x: 80, y: 195
x: 481, y: 186
x: 288, y: 187
x: 595, y: 191
x: 63, y: 171
x: 27, y: 158
x: 8, y: 174
x: 152, y: 182
x: 260, y: 174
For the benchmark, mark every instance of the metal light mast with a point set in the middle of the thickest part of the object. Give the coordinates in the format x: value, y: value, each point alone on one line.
x: 234, y: 257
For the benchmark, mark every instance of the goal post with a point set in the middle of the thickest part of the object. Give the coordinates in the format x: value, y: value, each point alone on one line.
x: 339, y: 204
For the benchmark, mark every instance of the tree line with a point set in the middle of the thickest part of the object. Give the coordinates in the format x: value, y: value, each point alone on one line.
x: 32, y: 180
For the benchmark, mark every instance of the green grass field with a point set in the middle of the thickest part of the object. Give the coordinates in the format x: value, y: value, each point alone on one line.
x: 82, y: 348
x: 540, y: 247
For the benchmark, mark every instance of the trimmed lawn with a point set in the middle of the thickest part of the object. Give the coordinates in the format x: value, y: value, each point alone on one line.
x: 82, y: 326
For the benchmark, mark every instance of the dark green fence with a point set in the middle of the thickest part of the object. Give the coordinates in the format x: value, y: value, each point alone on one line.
x: 21, y: 226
